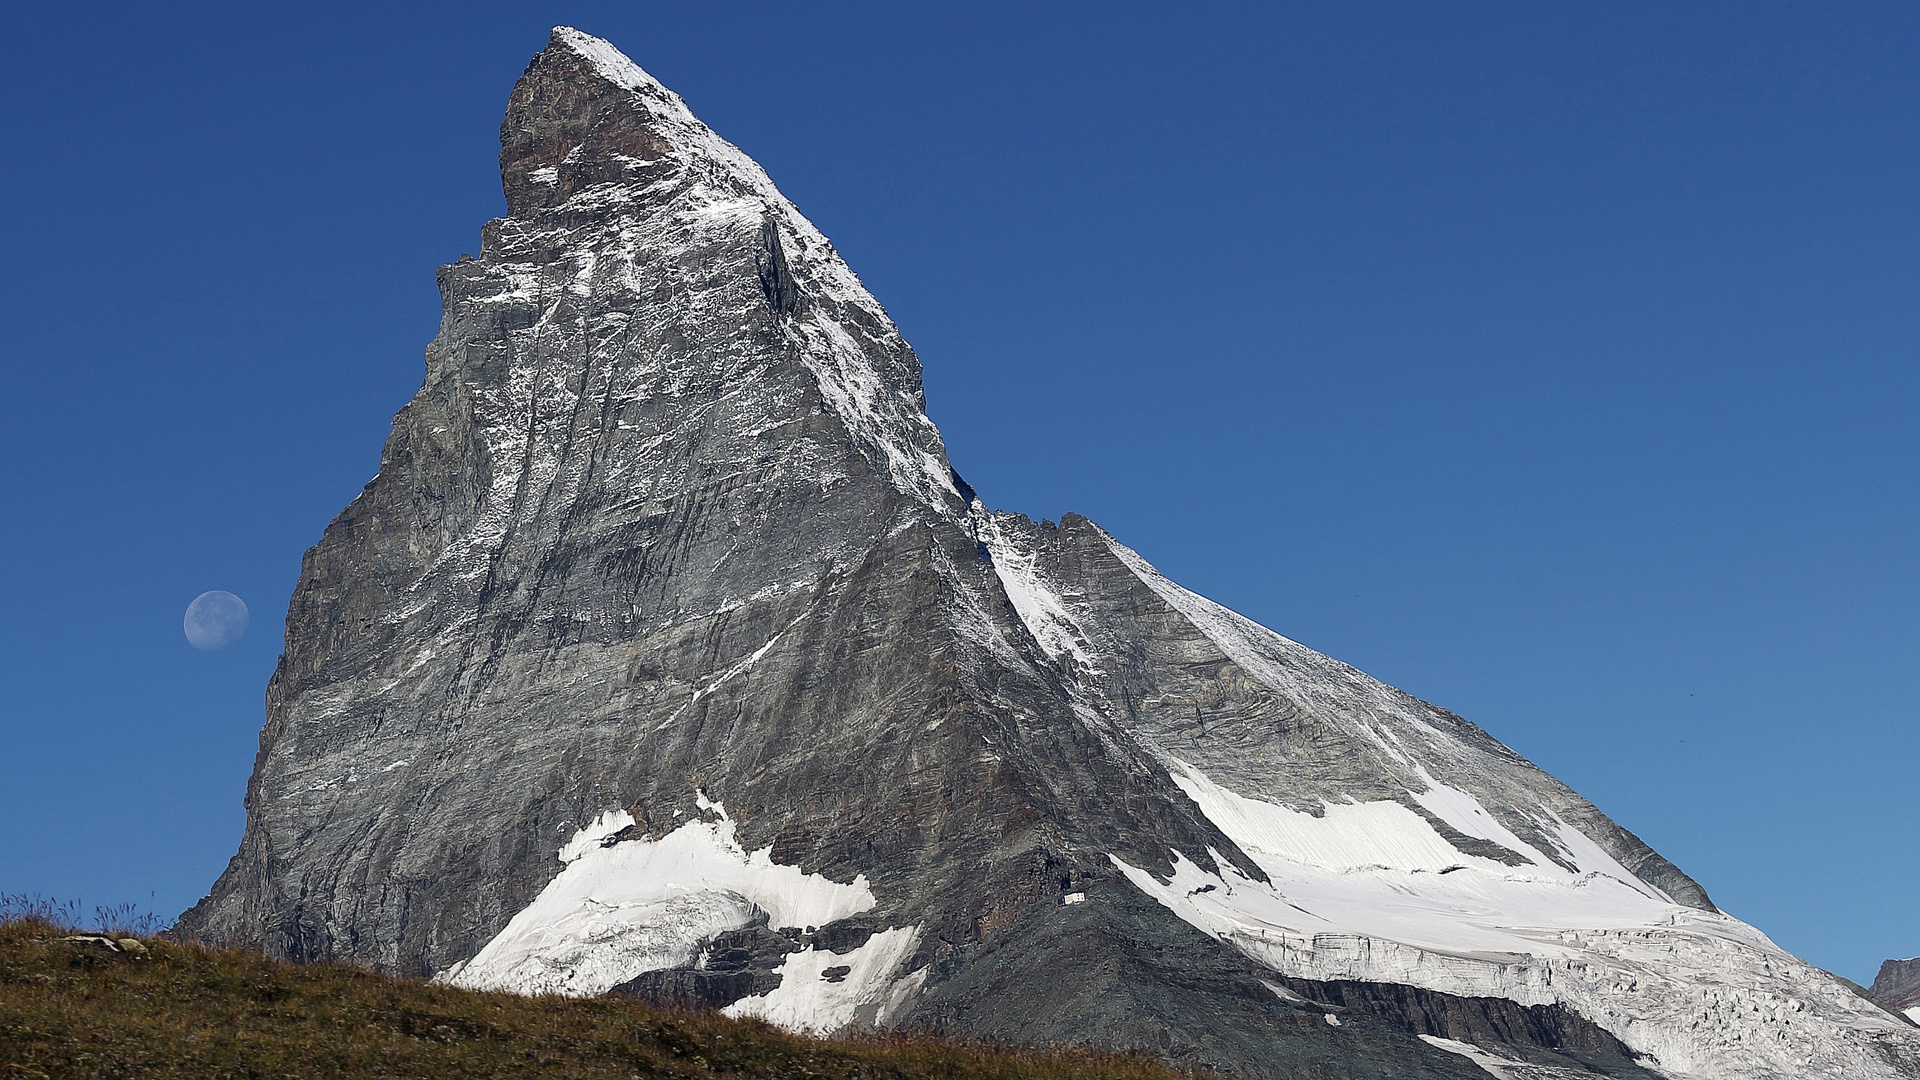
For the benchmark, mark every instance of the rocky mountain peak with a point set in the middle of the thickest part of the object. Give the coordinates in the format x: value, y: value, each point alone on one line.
x: 667, y: 654
x: 618, y: 196
x: 583, y: 115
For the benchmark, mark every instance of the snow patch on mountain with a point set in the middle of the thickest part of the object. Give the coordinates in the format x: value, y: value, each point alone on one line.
x: 1502, y: 1068
x: 1372, y: 892
x: 624, y: 907
x: 868, y: 994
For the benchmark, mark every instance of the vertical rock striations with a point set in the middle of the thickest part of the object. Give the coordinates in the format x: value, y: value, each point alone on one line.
x: 667, y: 654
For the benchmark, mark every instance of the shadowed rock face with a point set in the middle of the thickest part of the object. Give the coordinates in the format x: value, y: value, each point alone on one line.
x: 666, y: 620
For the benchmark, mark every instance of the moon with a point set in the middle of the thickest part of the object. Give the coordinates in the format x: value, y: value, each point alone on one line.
x: 215, y: 620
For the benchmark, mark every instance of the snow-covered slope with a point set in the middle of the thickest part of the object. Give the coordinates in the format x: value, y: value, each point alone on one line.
x: 1419, y: 882
x: 1369, y: 891
x: 626, y: 905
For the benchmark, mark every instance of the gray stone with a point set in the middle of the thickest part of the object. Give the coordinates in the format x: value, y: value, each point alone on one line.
x: 1897, y: 986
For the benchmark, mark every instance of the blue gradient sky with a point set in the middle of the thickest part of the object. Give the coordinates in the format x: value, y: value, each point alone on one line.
x: 1555, y: 363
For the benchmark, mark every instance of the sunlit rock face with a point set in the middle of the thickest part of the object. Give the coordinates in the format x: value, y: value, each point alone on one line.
x: 667, y: 654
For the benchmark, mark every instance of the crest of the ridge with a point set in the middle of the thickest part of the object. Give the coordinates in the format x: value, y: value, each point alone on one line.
x: 610, y: 62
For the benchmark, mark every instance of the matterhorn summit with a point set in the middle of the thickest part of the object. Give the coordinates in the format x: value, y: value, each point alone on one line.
x: 667, y: 654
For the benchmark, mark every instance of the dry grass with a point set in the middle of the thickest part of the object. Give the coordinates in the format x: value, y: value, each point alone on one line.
x: 81, y: 1009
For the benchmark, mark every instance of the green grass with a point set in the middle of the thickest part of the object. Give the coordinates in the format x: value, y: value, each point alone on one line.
x: 80, y: 1009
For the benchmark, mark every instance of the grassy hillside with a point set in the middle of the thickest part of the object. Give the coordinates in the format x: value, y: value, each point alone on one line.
x: 87, y: 1009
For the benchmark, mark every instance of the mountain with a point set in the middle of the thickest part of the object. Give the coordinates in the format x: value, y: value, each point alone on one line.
x: 1897, y: 987
x: 668, y: 655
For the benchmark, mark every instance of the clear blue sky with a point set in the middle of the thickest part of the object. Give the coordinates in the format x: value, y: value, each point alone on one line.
x: 1556, y: 363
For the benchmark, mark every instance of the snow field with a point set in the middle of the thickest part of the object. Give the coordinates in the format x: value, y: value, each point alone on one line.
x: 622, y: 908
x: 868, y: 995
x: 1370, y: 891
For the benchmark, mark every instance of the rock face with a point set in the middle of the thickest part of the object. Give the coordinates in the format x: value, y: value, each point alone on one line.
x: 667, y: 654
x: 1897, y: 987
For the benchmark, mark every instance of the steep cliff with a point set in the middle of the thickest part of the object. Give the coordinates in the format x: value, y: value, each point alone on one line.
x: 667, y: 654
x: 1897, y: 987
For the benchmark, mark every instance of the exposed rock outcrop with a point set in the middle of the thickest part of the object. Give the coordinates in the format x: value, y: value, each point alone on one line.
x: 1897, y: 987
